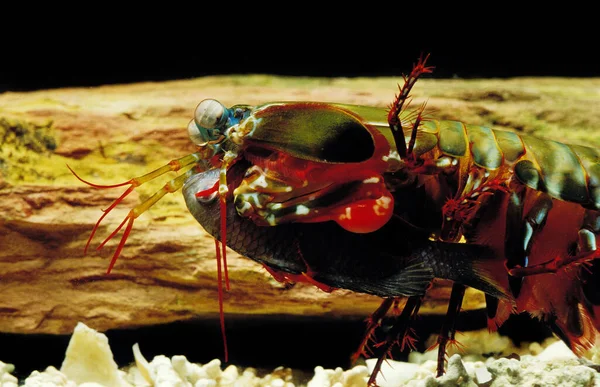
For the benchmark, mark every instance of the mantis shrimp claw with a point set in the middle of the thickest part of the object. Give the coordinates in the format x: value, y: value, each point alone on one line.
x: 170, y: 187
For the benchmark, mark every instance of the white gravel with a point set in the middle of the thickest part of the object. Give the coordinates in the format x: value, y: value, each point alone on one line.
x: 89, y: 363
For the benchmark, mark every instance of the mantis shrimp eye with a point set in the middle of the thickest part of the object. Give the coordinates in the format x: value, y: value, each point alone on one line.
x: 209, y: 118
x: 210, y: 114
x: 198, y: 135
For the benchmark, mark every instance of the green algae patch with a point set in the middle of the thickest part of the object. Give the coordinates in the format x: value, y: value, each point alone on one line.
x: 26, y: 150
x: 36, y: 138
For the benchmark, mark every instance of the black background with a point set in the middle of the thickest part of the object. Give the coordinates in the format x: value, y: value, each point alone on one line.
x: 41, y: 52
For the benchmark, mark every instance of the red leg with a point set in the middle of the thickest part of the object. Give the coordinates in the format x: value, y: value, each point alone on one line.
x: 372, y: 323
x: 586, y: 250
x: 554, y: 265
x: 448, y: 328
x: 397, y: 334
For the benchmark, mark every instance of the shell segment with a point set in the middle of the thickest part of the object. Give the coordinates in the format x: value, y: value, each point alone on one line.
x: 312, y: 131
x: 452, y: 138
x: 562, y: 173
x: 590, y: 159
x: 510, y: 145
x: 484, y: 148
x: 427, y: 138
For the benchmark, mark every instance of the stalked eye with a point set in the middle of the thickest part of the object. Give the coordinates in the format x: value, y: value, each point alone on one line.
x: 197, y: 136
x: 211, y: 114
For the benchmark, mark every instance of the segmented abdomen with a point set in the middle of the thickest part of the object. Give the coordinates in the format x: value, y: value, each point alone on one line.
x: 567, y: 172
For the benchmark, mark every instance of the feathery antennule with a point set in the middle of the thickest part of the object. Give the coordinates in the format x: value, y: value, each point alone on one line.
x: 413, y: 135
x: 403, y: 98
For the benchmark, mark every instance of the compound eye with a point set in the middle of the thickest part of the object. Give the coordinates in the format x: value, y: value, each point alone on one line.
x: 195, y: 134
x: 210, y: 114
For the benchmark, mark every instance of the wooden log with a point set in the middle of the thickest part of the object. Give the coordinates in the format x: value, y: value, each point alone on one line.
x: 167, y: 269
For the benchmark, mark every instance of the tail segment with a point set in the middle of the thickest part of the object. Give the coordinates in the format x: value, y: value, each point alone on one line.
x: 590, y: 289
x: 568, y: 299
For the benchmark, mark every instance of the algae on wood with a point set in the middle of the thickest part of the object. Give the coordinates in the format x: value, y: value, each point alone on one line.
x: 167, y: 271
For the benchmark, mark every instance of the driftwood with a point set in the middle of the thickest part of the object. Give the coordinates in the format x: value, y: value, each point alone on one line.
x: 167, y: 269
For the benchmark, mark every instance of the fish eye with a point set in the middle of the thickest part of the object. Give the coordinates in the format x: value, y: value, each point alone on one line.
x: 210, y: 114
x: 208, y: 198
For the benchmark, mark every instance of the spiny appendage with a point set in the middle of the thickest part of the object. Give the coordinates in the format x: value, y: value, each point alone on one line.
x: 373, y: 322
x: 399, y: 103
x: 416, y: 117
x: 556, y: 264
x: 443, y: 343
x: 442, y: 359
x: 399, y: 334
x: 453, y: 343
x: 459, y: 211
x: 409, y: 341
x: 171, y: 186
x: 583, y: 254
